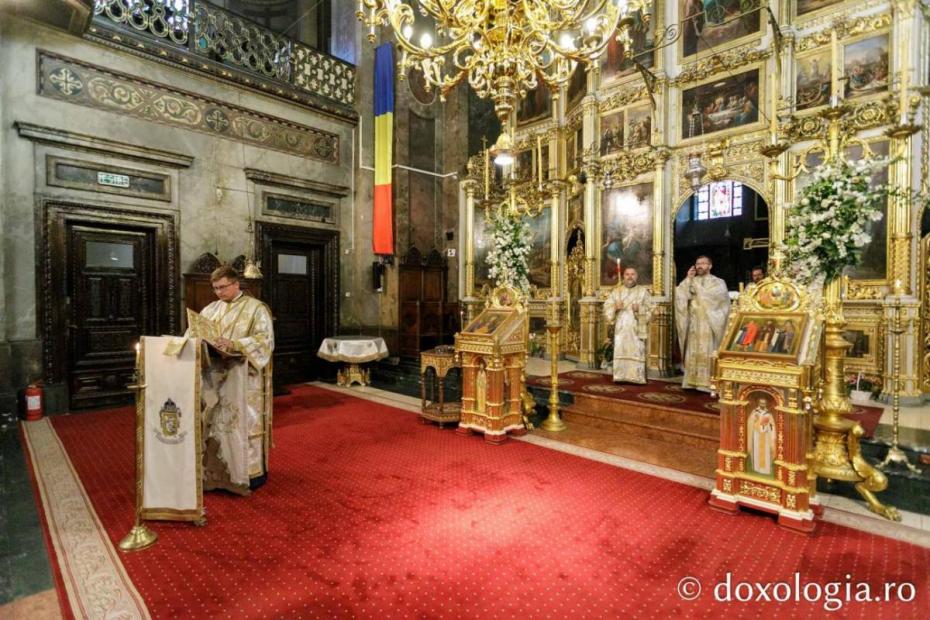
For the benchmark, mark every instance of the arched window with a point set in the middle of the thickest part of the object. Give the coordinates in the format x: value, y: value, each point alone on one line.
x: 719, y: 199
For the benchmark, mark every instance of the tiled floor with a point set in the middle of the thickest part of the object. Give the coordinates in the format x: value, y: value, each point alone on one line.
x: 24, y: 564
x: 914, y: 528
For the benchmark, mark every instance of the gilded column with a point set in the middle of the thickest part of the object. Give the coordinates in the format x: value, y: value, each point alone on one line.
x: 590, y: 308
x: 468, y: 299
x: 555, y: 262
x: 555, y: 232
x: 781, y: 190
x: 660, y: 334
x: 901, y: 176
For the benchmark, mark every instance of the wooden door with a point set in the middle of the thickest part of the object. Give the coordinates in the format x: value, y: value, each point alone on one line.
x: 301, y: 286
x: 296, y: 303
x: 109, y: 284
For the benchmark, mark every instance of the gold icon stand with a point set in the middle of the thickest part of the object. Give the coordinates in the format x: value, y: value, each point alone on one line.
x: 140, y: 536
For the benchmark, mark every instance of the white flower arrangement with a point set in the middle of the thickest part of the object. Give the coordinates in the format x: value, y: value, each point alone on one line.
x: 508, y: 250
x: 830, y: 223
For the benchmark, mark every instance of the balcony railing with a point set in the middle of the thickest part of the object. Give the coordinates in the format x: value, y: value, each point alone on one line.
x: 199, y: 35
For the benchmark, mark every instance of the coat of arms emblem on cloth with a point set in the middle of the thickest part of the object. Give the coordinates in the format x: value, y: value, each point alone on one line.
x: 169, y: 430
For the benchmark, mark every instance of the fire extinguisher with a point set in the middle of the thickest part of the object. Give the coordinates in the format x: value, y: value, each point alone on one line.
x: 33, y: 402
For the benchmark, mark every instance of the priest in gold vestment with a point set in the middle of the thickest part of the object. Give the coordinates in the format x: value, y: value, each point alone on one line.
x: 629, y: 307
x: 702, y: 303
x: 236, y: 389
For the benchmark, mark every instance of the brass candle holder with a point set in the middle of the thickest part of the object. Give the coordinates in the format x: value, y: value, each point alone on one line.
x: 140, y: 536
x: 896, y: 456
x: 553, y: 422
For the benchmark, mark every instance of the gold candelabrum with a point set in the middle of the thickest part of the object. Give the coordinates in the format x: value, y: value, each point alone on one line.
x: 553, y: 422
x: 837, y: 452
x: 504, y: 48
x: 140, y: 536
x: 896, y: 456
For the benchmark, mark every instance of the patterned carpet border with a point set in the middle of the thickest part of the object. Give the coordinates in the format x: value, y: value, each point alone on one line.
x: 90, y: 569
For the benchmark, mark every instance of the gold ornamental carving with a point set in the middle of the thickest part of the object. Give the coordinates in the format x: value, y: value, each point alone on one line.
x: 844, y: 28
x: 721, y: 62
x: 860, y: 292
x: 623, y: 97
x: 769, y: 494
x: 628, y: 165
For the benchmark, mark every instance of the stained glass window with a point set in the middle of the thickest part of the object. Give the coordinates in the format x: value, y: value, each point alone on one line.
x: 719, y: 199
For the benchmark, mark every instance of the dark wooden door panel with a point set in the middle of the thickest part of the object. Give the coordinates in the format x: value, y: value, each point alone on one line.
x: 110, y: 287
x: 296, y: 302
x: 422, y: 285
x: 301, y: 287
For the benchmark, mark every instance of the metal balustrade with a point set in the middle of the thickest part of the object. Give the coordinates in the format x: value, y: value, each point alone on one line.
x: 188, y: 32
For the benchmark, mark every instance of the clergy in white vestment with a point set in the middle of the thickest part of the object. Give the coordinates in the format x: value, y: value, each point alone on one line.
x: 702, y: 303
x: 236, y: 389
x: 629, y: 308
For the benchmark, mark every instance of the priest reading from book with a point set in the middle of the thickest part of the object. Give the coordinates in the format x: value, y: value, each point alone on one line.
x: 236, y: 389
x: 702, y: 304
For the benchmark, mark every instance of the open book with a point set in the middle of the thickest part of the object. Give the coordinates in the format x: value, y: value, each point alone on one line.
x: 201, y: 327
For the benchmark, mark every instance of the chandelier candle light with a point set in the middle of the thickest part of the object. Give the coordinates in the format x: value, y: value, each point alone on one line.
x: 504, y: 48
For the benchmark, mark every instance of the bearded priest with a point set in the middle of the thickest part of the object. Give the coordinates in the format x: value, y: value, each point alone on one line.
x: 702, y: 303
x: 629, y: 307
x: 237, y: 388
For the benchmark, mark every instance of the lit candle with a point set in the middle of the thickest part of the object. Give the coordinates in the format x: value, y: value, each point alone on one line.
x: 138, y: 354
x: 618, y: 269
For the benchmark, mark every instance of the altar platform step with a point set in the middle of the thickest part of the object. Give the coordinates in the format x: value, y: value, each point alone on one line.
x: 655, y: 434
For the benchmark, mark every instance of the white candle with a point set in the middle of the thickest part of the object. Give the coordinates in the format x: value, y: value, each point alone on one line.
x: 903, y: 94
x: 539, y: 165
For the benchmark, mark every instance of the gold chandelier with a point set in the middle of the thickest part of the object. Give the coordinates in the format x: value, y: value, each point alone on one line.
x: 504, y: 48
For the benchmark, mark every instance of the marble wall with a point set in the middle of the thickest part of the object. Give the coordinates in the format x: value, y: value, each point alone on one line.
x: 211, y: 197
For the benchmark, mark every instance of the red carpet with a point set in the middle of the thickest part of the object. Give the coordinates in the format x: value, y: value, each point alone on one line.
x: 368, y: 513
x: 667, y: 394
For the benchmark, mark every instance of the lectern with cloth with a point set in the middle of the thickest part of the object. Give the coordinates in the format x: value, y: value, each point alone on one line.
x: 168, y: 429
x: 353, y: 351
x: 492, y: 349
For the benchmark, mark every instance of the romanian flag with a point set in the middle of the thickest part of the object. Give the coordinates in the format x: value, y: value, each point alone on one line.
x: 383, y: 218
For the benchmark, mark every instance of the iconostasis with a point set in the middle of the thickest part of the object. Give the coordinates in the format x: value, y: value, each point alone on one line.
x: 707, y: 79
